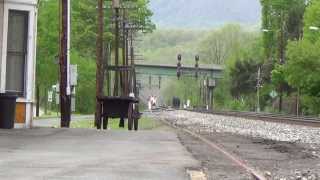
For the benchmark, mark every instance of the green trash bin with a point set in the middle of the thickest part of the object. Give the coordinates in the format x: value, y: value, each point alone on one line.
x: 7, y: 110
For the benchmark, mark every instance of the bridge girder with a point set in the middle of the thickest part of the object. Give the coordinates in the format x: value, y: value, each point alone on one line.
x: 167, y: 70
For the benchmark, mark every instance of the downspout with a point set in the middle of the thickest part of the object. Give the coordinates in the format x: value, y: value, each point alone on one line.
x: 2, y: 89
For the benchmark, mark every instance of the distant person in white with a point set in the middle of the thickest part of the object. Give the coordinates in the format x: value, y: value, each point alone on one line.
x: 188, y: 103
x: 152, y: 101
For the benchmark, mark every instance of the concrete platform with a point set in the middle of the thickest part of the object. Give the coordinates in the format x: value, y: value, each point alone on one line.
x: 57, y: 154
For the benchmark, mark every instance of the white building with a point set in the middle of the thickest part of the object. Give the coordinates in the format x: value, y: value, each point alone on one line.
x: 18, y: 27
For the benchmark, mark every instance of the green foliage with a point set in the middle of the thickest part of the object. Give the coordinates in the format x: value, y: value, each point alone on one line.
x: 243, y: 54
x: 278, y: 75
x: 237, y: 89
x: 244, y: 77
x: 213, y: 47
x: 238, y: 105
x: 83, y: 45
x: 162, y: 46
x: 47, y: 44
x: 282, y: 19
x: 85, y: 91
x: 302, y: 69
x: 310, y: 105
x: 84, y: 27
x: 311, y: 18
x: 218, y: 46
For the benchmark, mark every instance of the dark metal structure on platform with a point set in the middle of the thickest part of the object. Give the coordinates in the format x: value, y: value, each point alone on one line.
x: 119, y: 102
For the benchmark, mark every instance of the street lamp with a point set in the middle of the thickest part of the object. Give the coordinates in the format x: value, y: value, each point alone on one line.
x: 265, y: 30
x: 197, y: 58
x: 314, y: 28
x: 179, y: 66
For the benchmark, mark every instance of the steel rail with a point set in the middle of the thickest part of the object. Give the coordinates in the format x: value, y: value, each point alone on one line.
x: 281, y: 118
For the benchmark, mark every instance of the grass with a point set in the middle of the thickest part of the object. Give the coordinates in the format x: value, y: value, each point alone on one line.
x: 145, y: 123
x: 51, y: 114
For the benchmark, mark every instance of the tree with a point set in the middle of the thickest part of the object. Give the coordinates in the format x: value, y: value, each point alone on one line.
x: 244, y: 77
x: 220, y: 44
x: 282, y: 20
x: 311, y: 18
x: 83, y: 44
x: 303, y: 68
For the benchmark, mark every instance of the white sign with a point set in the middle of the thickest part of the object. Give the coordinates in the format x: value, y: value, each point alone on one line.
x: 73, y: 104
x: 73, y: 91
x: 57, y: 98
x: 57, y: 86
x: 73, y: 75
x: 273, y: 94
x: 50, y: 96
x: 212, y: 83
x: 115, y: 3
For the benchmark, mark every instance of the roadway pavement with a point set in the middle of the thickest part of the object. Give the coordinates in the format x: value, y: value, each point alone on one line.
x: 81, y: 154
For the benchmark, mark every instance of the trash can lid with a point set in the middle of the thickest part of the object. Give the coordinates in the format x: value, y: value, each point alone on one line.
x: 8, y: 96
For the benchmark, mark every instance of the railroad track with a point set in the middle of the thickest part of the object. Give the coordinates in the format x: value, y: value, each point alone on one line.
x: 300, y: 120
x: 256, y: 175
x: 288, y: 119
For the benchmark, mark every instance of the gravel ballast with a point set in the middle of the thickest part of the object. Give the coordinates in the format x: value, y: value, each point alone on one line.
x: 281, y: 151
x: 246, y: 127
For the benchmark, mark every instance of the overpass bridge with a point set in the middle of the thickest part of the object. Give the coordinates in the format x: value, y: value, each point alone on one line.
x: 210, y: 71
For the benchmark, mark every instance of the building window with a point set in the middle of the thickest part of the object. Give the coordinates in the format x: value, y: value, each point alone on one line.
x: 17, y: 51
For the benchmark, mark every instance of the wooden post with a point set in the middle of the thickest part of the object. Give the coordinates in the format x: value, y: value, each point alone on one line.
x: 116, y: 54
x: 38, y: 101
x: 65, y: 99
x: 99, y: 71
x: 123, y: 79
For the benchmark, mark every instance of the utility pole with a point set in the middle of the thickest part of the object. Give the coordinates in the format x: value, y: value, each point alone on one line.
x: 38, y: 100
x: 124, y: 56
x: 134, y: 78
x: 65, y: 98
x: 99, y: 54
x: 258, y: 89
x: 281, y: 57
x: 126, y: 46
x: 116, y: 6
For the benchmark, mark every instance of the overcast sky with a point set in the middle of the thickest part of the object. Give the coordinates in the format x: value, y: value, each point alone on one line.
x: 205, y: 13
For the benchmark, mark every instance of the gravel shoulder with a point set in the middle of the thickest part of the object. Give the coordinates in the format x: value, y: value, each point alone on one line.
x: 282, y: 152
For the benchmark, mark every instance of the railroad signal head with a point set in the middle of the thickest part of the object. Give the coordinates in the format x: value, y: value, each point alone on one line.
x: 197, y: 58
x: 179, y: 57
